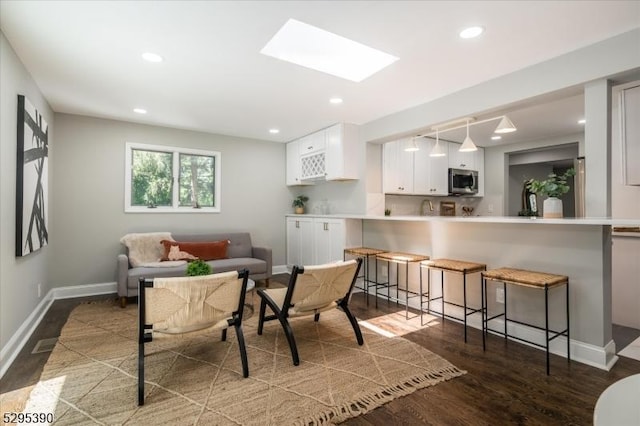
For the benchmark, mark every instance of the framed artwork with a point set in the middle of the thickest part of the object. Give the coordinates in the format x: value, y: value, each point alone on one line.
x: 31, y: 179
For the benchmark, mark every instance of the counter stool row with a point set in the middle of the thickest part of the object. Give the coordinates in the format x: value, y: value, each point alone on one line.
x: 510, y: 276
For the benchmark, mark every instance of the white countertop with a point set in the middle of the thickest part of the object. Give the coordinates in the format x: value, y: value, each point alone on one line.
x: 484, y: 219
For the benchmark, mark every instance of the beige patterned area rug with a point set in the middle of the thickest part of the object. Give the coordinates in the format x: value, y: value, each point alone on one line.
x: 91, y: 376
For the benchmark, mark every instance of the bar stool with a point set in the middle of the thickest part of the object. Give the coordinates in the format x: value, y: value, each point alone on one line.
x: 460, y: 267
x: 365, y: 253
x: 530, y: 279
x: 400, y: 258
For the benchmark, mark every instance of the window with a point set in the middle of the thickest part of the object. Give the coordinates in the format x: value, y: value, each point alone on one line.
x: 168, y: 179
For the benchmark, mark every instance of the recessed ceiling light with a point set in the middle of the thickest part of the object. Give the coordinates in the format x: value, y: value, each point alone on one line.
x: 471, y: 32
x: 274, y: 131
x: 582, y: 121
x: 315, y: 48
x: 152, y: 57
x: 335, y: 101
x: 140, y: 110
x: 496, y: 138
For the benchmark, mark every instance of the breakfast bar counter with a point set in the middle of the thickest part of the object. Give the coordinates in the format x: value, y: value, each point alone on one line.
x: 578, y: 248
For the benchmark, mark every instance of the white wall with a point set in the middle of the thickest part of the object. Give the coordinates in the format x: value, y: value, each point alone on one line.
x: 19, y: 276
x: 88, y: 194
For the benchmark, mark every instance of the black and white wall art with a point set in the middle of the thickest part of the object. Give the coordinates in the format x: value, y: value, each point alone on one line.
x: 31, y: 180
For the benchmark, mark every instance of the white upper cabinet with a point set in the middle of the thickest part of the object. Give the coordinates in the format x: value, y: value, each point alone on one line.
x: 313, y: 143
x: 329, y: 154
x: 430, y: 175
x: 342, y: 152
x: 462, y: 160
x: 630, y: 134
x: 397, y: 170
x: 293, y: 175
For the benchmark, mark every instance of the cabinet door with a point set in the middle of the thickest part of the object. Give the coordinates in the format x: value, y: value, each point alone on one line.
x: 341, y: 152
x: 293, y: 171
x: 329, y: 237
x: 397, y: 173
x: 422, y: 168
x: 300, y: 241
x: 461, y: 160
x: 439, y: 172
x: 312, y: 143
x: 430, y: 174
x: 479, y: 161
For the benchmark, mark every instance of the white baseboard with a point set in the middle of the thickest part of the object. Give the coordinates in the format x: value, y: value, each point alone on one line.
x: 84, y: 290
x: 596, y: 356
x: 20, y: 338
x: 279, y: 269
x: 13, y: 347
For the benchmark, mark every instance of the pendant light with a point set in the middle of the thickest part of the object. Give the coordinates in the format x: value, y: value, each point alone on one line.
x: 437, y: 150
x: 468, y: 145
x: 505, y: 126
x: 412, y: 145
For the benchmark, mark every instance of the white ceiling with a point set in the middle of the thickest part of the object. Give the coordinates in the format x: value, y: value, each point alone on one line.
x: 85, y: 57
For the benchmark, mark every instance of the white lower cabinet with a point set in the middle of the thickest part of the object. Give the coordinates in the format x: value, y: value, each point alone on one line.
x: 317, y: 240
x: 299, y: 241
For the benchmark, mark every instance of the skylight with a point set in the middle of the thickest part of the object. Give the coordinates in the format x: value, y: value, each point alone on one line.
x: 314, y: 48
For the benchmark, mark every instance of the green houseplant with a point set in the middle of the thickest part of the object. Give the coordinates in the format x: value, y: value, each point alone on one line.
x: 552, y: 187
x: 198, y: 267
x: 298, y: 203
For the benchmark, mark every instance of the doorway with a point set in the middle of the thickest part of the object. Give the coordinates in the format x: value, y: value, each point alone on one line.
x: 537, y: 164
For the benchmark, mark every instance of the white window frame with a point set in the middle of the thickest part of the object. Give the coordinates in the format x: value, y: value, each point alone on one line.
x: 175, y: 151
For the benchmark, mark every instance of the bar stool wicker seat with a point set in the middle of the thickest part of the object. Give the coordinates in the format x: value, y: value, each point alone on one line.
x: 400, y: 258
x: 461, y: 267
x: 532, y: 279
x: 365, y: 253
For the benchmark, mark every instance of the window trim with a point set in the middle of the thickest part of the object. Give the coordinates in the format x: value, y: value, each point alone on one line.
x: 175, y: 151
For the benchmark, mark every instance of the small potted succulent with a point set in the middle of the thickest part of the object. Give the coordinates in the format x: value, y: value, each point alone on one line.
x: 198, y: 267
x: 298, y: 203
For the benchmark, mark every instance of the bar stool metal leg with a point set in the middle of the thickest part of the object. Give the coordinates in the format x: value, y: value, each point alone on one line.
x: 546, y: 323
x: 568, y: 338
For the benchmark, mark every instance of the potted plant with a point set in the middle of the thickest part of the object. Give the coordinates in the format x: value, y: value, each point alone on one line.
x: 198, y: 267
x: 298, y: 203
x: 552, y: 187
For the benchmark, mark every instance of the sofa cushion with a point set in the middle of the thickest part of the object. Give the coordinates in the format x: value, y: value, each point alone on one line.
x: 145, y: 247
x: 239, y: 245
x: 189, y: 250
x: 255, y: 267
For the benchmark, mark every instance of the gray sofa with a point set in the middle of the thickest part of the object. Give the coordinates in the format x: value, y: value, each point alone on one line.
x: 240, y: 252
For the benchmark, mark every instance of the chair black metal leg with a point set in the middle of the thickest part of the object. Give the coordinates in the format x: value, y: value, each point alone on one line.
x: 354, y: 324
x: 263, y: 309
x: 141, y: 374
x: 224, y: 335
x: 243, y: 350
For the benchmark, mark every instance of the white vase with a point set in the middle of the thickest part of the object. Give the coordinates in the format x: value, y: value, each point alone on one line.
x: 552, y: 208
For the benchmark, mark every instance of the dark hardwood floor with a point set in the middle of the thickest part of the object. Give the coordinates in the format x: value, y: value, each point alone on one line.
x: 506, y: 384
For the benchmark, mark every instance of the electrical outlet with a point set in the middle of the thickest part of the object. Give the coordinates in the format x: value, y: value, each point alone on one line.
x: 499, y: 295
x: 490, y: 208
x: 39, y: 290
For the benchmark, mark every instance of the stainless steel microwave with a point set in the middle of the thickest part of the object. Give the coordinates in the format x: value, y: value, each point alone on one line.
x: 463, y: 182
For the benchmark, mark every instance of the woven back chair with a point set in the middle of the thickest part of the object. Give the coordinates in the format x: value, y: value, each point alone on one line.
x: 181, y: 306
x: 311, y: 290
